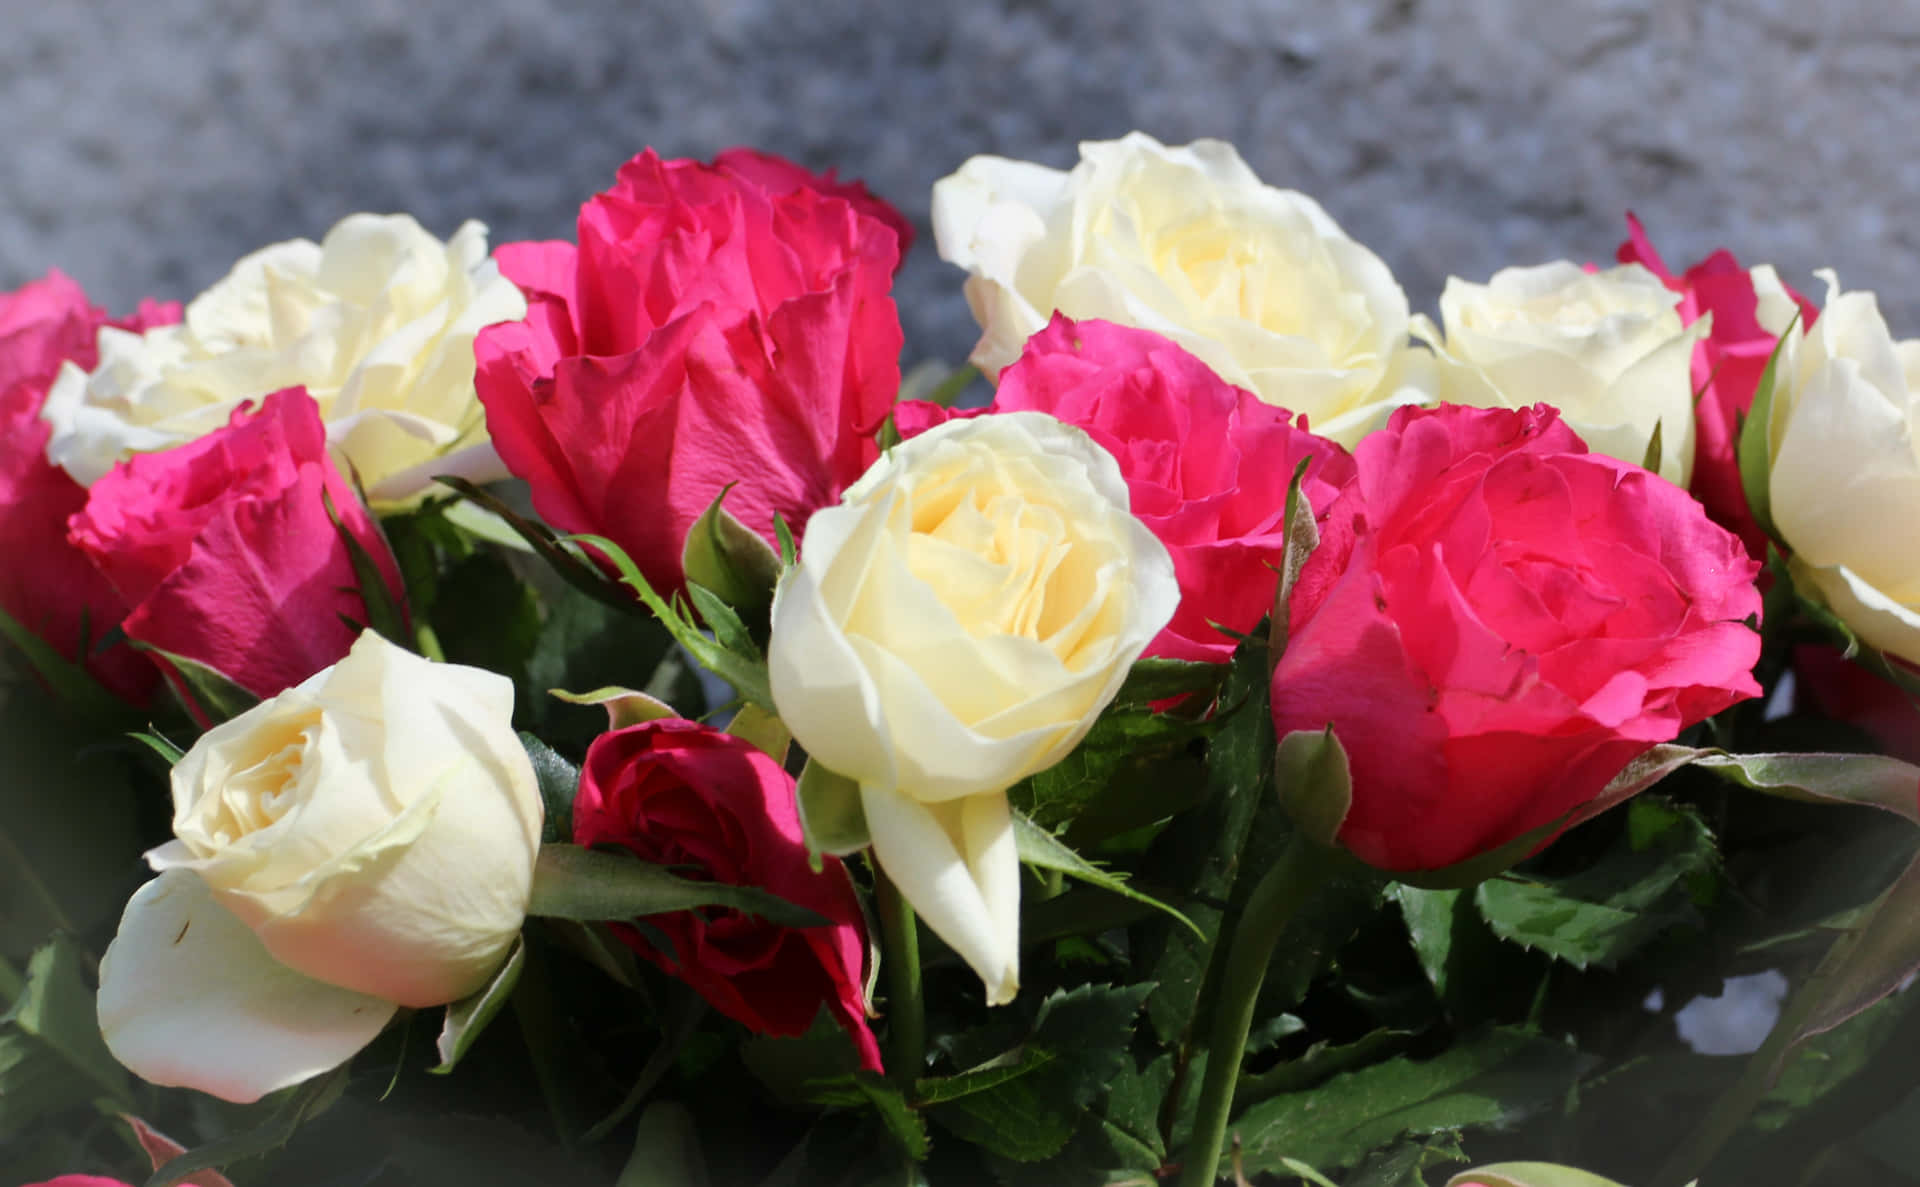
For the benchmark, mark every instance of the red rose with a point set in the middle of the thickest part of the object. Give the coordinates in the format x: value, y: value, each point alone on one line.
x: 678, y: 793
x: 704, y: 332
x: 1206, y: 463
x: 777, y: 175
x: 1726, y: 370
x: 224, y: 549
x: 1497, y: 621
x: 1827, y: 683
x: 50, y: 588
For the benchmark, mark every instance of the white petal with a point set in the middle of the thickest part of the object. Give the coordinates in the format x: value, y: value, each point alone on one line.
x: 920, y: 847
x: 189, y: 998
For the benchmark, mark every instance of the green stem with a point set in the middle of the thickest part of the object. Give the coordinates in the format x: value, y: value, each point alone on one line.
x: 1274, y: 902
x: 427, y: 642
x: 1730, y: 1112
x: 900, y: 954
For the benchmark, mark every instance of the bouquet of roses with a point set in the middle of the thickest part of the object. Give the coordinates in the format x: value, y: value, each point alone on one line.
x: 575, y: 712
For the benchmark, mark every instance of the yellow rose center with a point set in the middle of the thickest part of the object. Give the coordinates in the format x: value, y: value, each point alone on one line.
x: 261, y: 788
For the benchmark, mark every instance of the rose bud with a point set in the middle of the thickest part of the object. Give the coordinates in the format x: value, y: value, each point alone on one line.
x: 677, y: 793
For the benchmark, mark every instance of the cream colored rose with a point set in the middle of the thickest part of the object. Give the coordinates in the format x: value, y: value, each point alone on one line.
x: 1605, y: 348
x: 953, y: 626
x: 377, y: 322
x: 1843, y: 439
x: 1259, y: 282
x: 362, y: 841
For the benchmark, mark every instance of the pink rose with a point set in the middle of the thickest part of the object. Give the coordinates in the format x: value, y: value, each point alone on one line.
x: 777, y: 175
x: 1207, y: 464
x: 678, y: 793
x: 1726, y: 370
x: 224, y: 549
x: 82, y: 1181
x: 1497, y: 621
x: 704, y: 332
x: 56, y: 594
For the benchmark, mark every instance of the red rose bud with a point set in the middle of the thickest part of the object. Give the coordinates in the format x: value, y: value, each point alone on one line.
x: 677, y: 793
x: 1207, y: 464
x: 1497, y: 621
x: 224, y: 548
x: 704, y: 332
x: 51, y: 589
x: 1726, y: 365
x: 777, y: 175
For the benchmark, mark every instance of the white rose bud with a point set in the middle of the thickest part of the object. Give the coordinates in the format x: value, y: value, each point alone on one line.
x: 1605, y: 348
x: 953, y: 626
x: 1258, y: 282
x: 363, y: 841
x: 377, y: 323
x: 1844, y: 478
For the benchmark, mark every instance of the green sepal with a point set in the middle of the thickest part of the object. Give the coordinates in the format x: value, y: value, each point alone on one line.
x: 832, y: 817
x: 624, y: 706
x: 386, y: 613
x: 1754, y: 451
x: 71, y: 682
x: 470, y: 1015
x: 1529, y: 1174
x: 211, y: 696
x: 730, y: 558
x: 1301, y: 537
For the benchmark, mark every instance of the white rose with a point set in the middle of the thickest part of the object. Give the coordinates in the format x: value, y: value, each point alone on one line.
x: 377, y: 322
x: 360, y: 842
x: 953, y: 626
x: 1605, y: 348
x: 1259, y: 282
x: 1843, y: 440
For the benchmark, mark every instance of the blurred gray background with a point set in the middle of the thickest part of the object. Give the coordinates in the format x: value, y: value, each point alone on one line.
x: 149, y: 143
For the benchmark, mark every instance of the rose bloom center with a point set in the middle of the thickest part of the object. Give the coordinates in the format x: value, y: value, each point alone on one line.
x: 264, y: 783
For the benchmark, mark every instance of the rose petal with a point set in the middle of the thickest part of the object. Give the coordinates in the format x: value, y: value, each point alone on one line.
x: 189, y: 998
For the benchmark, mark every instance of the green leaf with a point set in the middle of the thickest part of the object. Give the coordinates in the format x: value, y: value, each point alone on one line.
x: 865, y: 1088
x: 1638, y: 891
x: 1157, y: 679
x: 570, y: 882
x: 1038, y: 847
x: 1025, y: 1104
x: 489, y: 618
x: 1823, y: 1062
x: 559, y: 782
x: 1125, y: 773
x: 211, y: 695
x: 1498, y: 1079
x: 568, y: 563
x: 1871, y: 961
x: 1529, y: 1174
x: 730, y: 655
x: 832, y: 817
x: 164, y: 747
x: 56, y: 1008
x: 1315, y: 1064
x: 666, y: 1150
x: 470, y: 1015
x: 730, y: 558
x: 1302, y: 536
x: 624, y: 706
x: 1315, y: 783
x: 1755, y: 450
x: 295, y: 1107
x: 1871, y: 779
x: 35, y: 1081
x: 70, y: 682
x: 385, y: 612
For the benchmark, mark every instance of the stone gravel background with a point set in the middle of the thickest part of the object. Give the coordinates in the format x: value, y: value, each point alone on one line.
x: 149, y: 143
